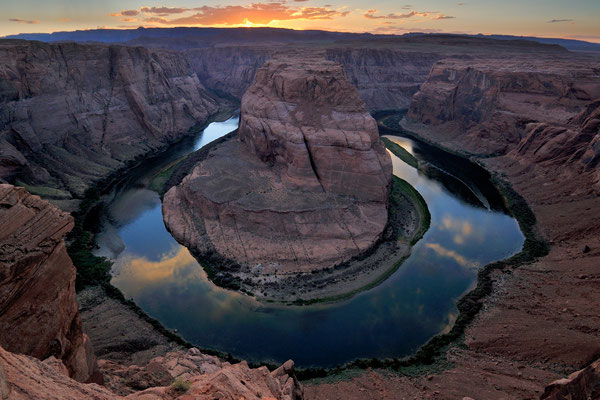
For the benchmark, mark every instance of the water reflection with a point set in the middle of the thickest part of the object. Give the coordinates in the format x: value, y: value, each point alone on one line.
x: 393, y: 319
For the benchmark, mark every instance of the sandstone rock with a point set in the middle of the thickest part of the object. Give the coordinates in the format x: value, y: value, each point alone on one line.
x: 24, y: 378
x: 306, y: 186
x: 160, y: 371
x: 580, y: 385
x: 234, y: 382
x: 38, y: 308
x: 385, y: 78
x: 108, y: 105
x: 499, y: 105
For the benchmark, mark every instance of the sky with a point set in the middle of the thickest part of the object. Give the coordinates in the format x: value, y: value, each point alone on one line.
x: 574, y: 19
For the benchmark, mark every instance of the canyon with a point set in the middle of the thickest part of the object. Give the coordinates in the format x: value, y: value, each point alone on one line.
x: 109, y: 106
x: 533, y: 121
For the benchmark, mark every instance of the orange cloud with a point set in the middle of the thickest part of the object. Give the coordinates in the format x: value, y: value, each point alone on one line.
x: 125, y: 13
x: 256, y: 13
x: 164, y: 11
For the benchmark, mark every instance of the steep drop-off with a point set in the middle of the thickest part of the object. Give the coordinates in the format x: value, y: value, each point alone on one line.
x: 72, y: 113
x: 38, y: 308
x: 304, y: 188
x: 385, y: 78
x: 544, y: 109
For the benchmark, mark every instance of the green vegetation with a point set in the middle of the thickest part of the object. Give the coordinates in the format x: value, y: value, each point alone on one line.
x: 401, y: 153
x: 181, y: 386
x: 159, y: 180
x: 45, y: 191
x: 402, y: 188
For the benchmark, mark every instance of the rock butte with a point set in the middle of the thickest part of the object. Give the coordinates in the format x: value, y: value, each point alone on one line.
x: 304, y: 188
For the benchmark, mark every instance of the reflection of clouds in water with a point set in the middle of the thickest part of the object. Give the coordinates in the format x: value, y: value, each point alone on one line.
x: 138, y: 276
x: 135, y: 273
x: 444, y: 252
x: 449, y: 323
x: 462, y: 229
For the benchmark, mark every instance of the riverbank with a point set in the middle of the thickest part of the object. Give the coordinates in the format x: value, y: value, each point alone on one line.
x: 408, y: 221
x: 534, y: 324
x: 416, y: 363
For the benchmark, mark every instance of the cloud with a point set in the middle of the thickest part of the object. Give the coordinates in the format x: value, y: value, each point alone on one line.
x: 128, y: 19
x: 559, y: 20
x: 460, y: 4
x: 399, y: 29
x: 65, y: 20
x: 370, y: 14
x: 125, y: 13
x: 256, y: 13
x: 164, y: 11
x: 22, y: 21
x: 407, y: 7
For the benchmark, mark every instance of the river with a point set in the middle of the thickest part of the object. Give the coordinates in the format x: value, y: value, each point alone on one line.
x: 468, y: 230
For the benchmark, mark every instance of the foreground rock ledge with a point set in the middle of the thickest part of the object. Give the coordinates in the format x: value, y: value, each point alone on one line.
x: 38, y: 308
x: 304, y: 186
x: 23, y: 378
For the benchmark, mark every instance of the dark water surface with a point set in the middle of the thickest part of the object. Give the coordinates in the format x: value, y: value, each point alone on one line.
x: 468, y: 230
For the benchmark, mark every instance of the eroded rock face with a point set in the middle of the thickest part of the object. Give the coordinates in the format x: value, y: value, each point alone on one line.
x: 542, y: 108
x: 305, y: 116
x: 38, y: 308
x: 583, y: 384
x: 304, y: 188
x: 72, y: 113
x: 23, y: 378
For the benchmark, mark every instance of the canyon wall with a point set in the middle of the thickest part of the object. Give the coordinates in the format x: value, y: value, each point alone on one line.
x: 545, y: 109
x: 73, y: 113
x: 38, y: 309
x: 385, y: 78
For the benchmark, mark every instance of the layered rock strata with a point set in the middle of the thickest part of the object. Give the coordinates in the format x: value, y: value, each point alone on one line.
x: 304, y: 188
x: 73, y: 113
x: 23, y: 378
x: 38, y: 308
x: 544, y: 109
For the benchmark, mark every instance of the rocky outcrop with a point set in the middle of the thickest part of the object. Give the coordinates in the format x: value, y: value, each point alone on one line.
x: 23, y: 378
x: 531, y: 106
x: 72, y: 113
x: 304, y: 188
x: 580, y: 385
x: 38, y: 308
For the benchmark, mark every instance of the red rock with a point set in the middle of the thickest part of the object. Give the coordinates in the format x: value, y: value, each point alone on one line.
x: 39, y: 315
x: 73, y: 113
x: 306, y: 186
x: 583, y: 384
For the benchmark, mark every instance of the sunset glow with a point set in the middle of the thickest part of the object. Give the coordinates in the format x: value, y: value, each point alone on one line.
x: 578, y: 19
